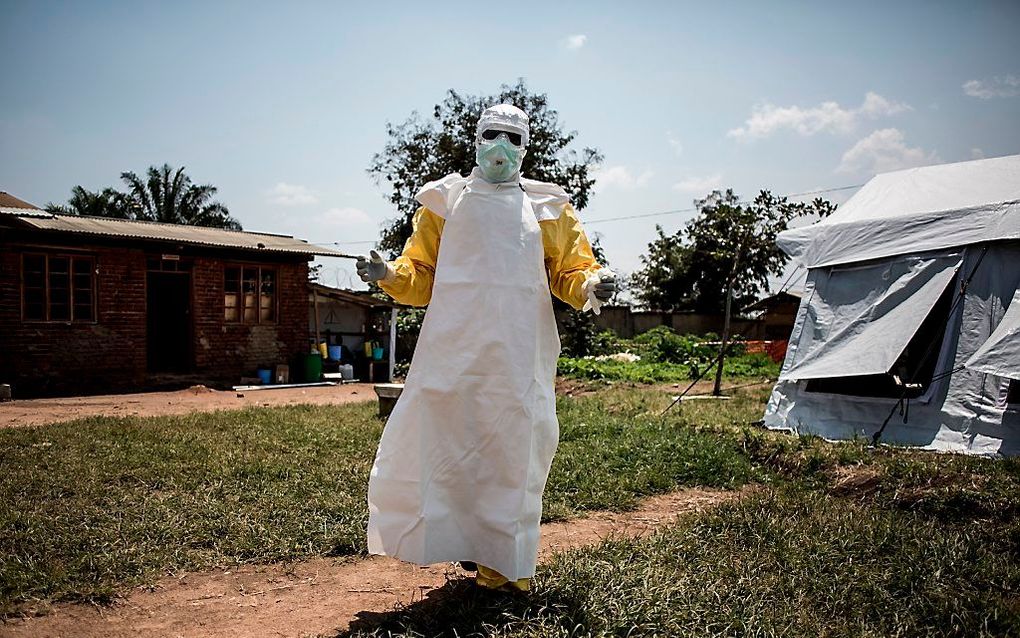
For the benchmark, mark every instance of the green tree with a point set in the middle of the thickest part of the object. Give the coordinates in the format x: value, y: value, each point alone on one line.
x: 664, y: 281
x: 423, y: 149
x: 723, y: 257
x: 729, y: 245
x: 169, y: 196
x: 165, y: 195
x: 105, y: 203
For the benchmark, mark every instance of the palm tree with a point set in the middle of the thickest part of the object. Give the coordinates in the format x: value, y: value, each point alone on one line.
x: 105, y: 203
x: 169, y: 196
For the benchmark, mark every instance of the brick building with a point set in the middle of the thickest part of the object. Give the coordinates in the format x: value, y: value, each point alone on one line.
x: 90, y: 304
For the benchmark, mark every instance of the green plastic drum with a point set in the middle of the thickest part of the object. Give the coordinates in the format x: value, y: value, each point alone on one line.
x: 312, y: 367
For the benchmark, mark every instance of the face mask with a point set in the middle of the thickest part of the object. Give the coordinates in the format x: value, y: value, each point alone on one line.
x: 498, y: 160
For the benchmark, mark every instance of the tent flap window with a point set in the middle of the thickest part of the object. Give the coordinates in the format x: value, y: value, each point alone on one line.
x: 1000, y: 353
x: 59, y: 288
x: 875, y: 321
x: 249, y: 294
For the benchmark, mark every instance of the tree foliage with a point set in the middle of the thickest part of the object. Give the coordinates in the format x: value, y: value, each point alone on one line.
x: 690, y: 269
x: 423, y: 149
x: 105, y: 203
x: 164, y: 195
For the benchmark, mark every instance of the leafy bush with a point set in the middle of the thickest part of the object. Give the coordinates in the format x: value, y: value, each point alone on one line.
x: 746, y: 366
x: 665, y: 357
x: 638, y: 372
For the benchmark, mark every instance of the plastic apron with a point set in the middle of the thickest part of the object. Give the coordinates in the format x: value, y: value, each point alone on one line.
x: 464, y: 456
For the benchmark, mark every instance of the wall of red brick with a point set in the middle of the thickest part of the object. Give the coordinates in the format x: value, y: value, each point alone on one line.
x: 52, y: 359
x: 227, y: 351
x: 76, y: 358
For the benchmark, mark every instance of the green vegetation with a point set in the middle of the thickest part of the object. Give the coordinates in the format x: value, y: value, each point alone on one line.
x: 664, y: 357
x: 832, y: 539
x: 780, y: 562
x: 96, y: 505
x: 164, y: 195
x: 840, y: 540
x: 728, y: 247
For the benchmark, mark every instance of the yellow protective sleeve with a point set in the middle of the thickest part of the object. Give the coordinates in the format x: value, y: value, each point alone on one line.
x: 568, y: 256
x: 415, y: 268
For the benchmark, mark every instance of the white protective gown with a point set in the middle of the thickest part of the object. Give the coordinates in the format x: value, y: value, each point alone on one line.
x: 464, y: 456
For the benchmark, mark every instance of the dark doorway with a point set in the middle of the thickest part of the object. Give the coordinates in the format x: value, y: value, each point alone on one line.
x: 168, y: 310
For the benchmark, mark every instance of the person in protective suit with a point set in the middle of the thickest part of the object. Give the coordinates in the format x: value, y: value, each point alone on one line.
x: 465, y: 454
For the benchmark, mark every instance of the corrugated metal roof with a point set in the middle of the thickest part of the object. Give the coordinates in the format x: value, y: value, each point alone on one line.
x: 155, y: 231
x: 10, y: 201
x: 360, y: 298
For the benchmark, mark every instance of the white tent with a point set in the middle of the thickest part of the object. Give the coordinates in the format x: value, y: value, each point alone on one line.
x: 911, y: 313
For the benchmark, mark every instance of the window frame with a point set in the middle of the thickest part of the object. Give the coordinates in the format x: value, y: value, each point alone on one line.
x: 72, y: 258
x: 239, y: 307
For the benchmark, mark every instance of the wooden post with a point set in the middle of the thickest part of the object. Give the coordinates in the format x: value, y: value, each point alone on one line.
x: 717, y: 388
x: 315, y: 313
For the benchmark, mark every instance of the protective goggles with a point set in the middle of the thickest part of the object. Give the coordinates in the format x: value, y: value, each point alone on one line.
x: 490, y: 134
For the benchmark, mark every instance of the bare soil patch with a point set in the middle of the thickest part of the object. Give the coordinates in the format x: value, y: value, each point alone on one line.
x: 193, y: 399
x: 319, y: 596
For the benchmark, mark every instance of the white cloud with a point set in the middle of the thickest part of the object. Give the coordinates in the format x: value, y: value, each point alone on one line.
x: 884, y: 150
x: 700, y: 185
x: 347, y: 216
x: 574, y: 42
x: 999, y: 86
x: 620, y: 177
x: 977, y: 153
x: 286, y: 194
x: 828, y: 117
x: 674, y: 143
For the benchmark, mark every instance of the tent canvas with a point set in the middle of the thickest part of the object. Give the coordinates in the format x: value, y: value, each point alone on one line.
x: 911, y: 304
x: 1000, y: 354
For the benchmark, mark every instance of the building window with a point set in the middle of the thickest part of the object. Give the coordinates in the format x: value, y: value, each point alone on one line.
x: 249, y: 294
x: 58, y: 288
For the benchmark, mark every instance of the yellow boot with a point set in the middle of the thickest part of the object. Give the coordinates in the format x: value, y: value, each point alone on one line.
x: 491, y: 579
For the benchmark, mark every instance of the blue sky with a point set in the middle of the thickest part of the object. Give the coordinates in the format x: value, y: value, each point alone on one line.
x: 281, y: 105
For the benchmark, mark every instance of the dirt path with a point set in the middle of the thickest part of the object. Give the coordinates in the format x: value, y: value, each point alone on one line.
x: 315, y: 597
x: 203, y: 399
x: 194, y: 399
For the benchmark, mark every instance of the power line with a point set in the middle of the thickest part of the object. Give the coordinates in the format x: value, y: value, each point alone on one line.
x: 694, y: 209
x: 603, y: 220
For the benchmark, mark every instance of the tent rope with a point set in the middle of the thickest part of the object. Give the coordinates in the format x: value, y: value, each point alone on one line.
x: 701, y: 374
x: 733, y: 340
x: 903, y: 402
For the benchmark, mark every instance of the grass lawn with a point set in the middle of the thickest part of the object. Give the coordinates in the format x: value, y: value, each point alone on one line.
x: 838, y: 540
x: 91, y: 507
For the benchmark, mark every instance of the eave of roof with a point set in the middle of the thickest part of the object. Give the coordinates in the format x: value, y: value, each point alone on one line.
x: 40, y: 220
x: 351, y: 296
